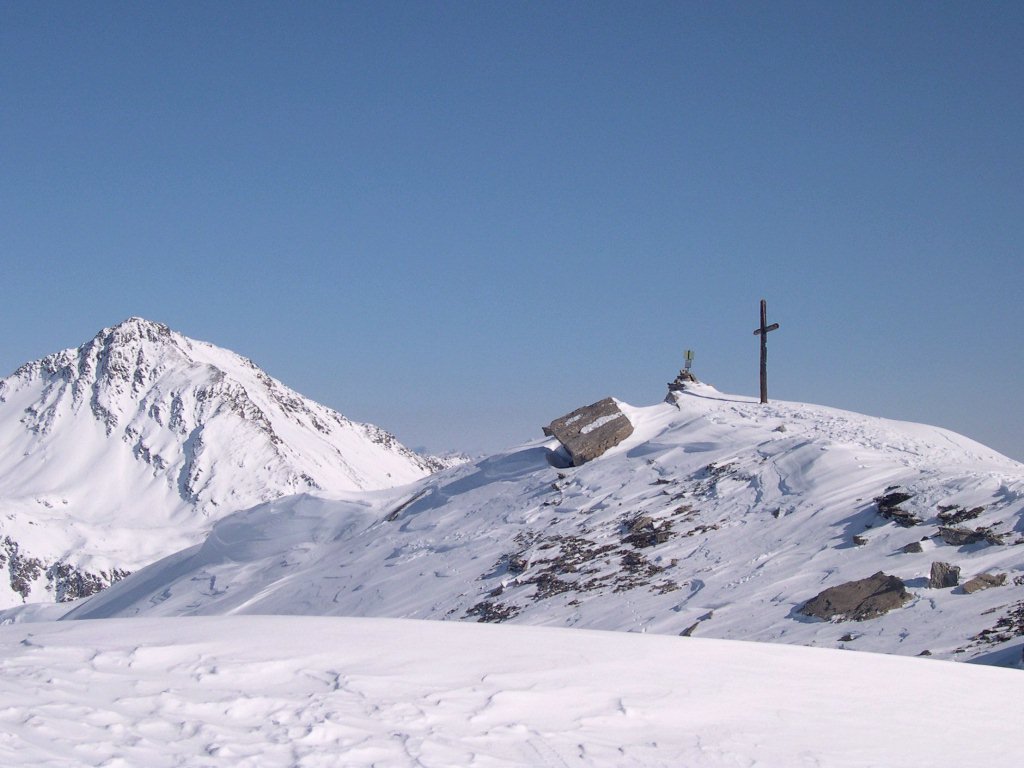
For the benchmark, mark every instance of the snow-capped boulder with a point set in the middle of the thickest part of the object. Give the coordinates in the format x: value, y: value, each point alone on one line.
x: 591, y: 430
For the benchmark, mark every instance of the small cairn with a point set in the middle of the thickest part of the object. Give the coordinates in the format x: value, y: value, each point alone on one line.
x: 679, y: 383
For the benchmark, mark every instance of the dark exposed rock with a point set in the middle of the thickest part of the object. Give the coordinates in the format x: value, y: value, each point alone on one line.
x: 588, y: 432
x: 858, y: 600
x: 984, y: 581
x: 66, y: 581
x: 549, y: 585
x: 954, y: 515
x: 638, y: 571
x: 22, y: 569
x: 859, y: 541
x: 70, y: 583
x: 492, y: 612
x: 643, y: 532
x: 913, y: 547
x: 688, y: 632
x: 679, y: 383
x: 959, y: 536
x: 1008, y: 626
x: 944, y: 575
x: 889, y: 508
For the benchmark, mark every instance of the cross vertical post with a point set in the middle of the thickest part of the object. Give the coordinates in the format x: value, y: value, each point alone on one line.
x: 763, y: 333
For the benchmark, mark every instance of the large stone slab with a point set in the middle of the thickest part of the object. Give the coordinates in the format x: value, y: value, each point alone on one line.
x: 591, y: 430
x: 984, y: 581
x: 858, y: 600
x: 944, y: 575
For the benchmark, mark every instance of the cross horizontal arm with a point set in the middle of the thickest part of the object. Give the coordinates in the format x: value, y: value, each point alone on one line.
x: 772, y: 327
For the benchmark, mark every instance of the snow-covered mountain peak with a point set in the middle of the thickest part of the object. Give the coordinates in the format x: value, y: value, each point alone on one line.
x: 143, y: 428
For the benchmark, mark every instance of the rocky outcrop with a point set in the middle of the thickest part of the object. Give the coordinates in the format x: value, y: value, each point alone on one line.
x: 953, y: 514
x: 858, y: 600
x: 958, y: 537
x: 65, y: 582
x: 588, y: 432
x: 944, y: 575
x: 889, y: 508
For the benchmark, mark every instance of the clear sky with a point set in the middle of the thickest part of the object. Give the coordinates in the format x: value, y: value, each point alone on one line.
x: 459, y: 220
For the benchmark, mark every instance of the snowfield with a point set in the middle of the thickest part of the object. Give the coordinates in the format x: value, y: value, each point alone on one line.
x: 312, y: 691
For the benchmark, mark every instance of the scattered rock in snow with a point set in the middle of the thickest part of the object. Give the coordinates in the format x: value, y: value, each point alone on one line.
x: 588, y: 432
x: 490, y: 612
x: 984, y: 581
x: 913, y: 547
x: 643, y: 532
x: 859, y: 541
x: 959, y: 536
x: 889, y: 508
x: 858, y: 600
x: 944, y: 575
x: 1009, y: 626
x: 954, y: 515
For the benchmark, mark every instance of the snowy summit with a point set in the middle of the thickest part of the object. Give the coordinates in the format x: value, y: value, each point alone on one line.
x: 127, y: 448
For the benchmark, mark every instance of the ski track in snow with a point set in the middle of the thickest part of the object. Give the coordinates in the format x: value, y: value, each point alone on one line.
x: 305, y: 691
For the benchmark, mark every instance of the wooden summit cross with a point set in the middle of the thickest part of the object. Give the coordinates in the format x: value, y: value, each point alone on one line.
x: 763, y: 331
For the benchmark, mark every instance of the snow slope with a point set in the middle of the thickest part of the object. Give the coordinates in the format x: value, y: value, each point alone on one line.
x: 299, y: 691
x: 126, y: 449
x: 718, y: 517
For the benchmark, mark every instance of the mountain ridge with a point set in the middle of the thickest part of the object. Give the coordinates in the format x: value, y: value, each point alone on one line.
x: 145, y: 436
x: 718, y: 517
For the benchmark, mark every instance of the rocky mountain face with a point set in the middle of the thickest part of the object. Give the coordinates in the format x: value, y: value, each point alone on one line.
x: 716, y: 517
x: 129, y: 447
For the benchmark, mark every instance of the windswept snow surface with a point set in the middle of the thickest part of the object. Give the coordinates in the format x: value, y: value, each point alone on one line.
x: 718, y: 517
x: 125, y: 450
x: 300, y: 691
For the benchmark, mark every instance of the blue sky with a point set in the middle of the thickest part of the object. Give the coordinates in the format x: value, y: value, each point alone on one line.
x: 460, y: 220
